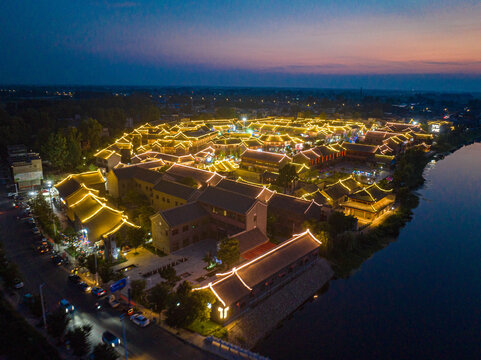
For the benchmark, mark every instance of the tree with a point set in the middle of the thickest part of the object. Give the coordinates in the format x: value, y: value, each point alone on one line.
x: 187, y: 306
x: 137, y: 288
x: 145, y: 212
x: 104, y: 352
x: 91, y: 131
x: 170, y: 275
x: 159, y: 296
x: 135, y: 237
x: 78, y: 338
x: 225, y: 113
x: 45, y: 215
x: 57, y: 323
x: 272, y: 220
x: 74, y: 147
x: 90, y: 263
x: 287, y: 174
x: 55, y: 150
x: 106, y: 273
x: 228, y: 251
x: 203, y: 298
x: 339, y: 223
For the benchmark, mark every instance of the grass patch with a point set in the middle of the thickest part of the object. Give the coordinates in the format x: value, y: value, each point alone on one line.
x: 208, y: 328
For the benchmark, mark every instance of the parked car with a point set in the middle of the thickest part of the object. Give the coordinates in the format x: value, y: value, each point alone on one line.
x: 64, y: 304
x: 98, y: 291
x: 36, y: 231
x: 110, y: 339
x: 57, y: 260
x: 28, y: 298
x: 42, y: 247
x: 84, y: 287
x: 17, y: 283
x: 113, y: 302
x: 140, y: 320
x: 74, y: 278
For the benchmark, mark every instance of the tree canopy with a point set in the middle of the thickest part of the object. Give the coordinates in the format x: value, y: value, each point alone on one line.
x: 186, y: 306
x: 78, y: 338
x: 159, y: 296
x: 287, y: 174
x: 228, y: 251
x: 104, y: 352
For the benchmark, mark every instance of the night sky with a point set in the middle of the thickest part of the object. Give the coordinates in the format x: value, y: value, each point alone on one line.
x: 393, y: 44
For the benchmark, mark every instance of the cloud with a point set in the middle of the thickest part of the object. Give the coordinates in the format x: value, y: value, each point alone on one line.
x: 452, y: 63
x: 308, y: 68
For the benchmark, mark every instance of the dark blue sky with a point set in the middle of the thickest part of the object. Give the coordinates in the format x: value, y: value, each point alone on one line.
x: 423, y: 44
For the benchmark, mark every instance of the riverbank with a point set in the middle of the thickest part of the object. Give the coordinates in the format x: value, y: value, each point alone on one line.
x: 405, y: 183
x: 415, y: 299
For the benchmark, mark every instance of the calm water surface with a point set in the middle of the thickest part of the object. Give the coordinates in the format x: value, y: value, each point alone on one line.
x: 419, y: 298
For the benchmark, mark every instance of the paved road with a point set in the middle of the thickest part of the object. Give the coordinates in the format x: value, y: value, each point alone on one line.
x: 142, y: 343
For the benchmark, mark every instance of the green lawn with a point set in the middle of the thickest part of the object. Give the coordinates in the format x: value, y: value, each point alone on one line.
x: 207, y: 328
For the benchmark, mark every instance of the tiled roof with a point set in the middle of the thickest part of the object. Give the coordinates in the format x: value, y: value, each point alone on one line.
x: 372, y: 193
x: 285, y: 203
x: 203, y: 177
x: 250, y: 239
x: 371, y: 149
x: 183, y: 214
x: 336, y: 191
x: 72, y: 183
x: 323, y: 150
x: 137, y: 172
x: 175, y: 189
x: 106, y: 220
x: 251, y: 191
x: 238, y: 283
x: 264, y: 156
x: 227, y: 200
x: 67, y: 187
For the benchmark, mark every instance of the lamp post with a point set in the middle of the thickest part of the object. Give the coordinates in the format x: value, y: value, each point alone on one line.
x: 43, y: 306
x: 96, y: 269
x: 122, y: 318
x: 49, y: 184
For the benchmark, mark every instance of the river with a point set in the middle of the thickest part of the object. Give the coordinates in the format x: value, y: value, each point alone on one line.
x: 419, y: 298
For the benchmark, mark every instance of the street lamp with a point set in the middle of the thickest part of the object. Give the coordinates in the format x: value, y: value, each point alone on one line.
x: 122, y: 318
x: 43, y: 306
x: 96, y: 270
x: 49, y: 185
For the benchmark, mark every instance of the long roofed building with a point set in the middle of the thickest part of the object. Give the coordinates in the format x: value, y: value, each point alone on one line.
x: 246, y: 285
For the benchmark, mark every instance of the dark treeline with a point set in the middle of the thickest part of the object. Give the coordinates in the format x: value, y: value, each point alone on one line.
x: 66, y: 131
